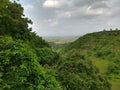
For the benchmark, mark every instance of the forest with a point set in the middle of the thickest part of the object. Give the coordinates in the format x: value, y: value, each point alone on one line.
x: 27, y: 61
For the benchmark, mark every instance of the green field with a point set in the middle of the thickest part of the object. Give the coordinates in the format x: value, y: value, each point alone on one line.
x: 103, y: 65
x: 115, y: 84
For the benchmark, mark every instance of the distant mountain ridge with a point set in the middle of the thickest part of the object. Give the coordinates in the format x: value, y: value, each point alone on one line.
x: 61, y: 40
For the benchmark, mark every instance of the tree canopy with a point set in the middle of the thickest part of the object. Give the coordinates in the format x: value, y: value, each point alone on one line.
x: 14, y: 23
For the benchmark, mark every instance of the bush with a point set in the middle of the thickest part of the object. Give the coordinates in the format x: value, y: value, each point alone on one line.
x: 20, y: 69
x: 78, y: 74
x: 47, y: 56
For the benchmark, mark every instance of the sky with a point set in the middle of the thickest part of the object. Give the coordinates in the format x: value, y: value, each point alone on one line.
x: 72, y: 17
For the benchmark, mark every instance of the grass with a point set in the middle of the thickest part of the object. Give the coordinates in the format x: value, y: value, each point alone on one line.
x: 115, y: 84
x: 103, y: 65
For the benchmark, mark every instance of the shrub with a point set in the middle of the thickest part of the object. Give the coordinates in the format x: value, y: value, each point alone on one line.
x: 20, y: 69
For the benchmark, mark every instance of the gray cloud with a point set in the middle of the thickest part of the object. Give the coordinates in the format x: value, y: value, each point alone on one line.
x: 99, y: 5
x: 84, y: 2
x: 72, y: 17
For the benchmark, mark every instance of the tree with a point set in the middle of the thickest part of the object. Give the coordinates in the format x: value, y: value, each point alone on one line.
x: 78, y: 73
x: 14, y: 23
x: 20, y: 68
x: 12, y: 20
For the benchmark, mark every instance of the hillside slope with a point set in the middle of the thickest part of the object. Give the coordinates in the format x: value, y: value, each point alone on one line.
x: 103, y: 49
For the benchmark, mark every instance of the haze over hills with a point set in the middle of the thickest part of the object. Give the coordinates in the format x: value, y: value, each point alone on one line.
x: 61, y: 39
x: 66, y: 39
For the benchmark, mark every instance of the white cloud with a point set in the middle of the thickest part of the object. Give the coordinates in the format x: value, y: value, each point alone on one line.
x: 51, y: 4
x: 98, y: 11
x: 57, y: 3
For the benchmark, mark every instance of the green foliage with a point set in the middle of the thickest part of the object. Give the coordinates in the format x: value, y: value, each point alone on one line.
x: 73, y: 81
x: 14, y: 23
x: 24, y: 57
x: 114, y: 69
x: 20, y: 68
x: 13, y: 20
x: 100, y: 47
x: 78, y: 73
x: 47, y: 56
x: 23, y: 53
x: 37, y: 41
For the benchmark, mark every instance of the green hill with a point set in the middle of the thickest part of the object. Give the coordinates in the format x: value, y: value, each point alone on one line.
x: 27, y: 62
x: 103, y: 49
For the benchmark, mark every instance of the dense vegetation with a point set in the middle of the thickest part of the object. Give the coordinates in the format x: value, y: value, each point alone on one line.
x: 103, y: 49
x: 20, y: 68
x: 28, y: 63
x: 75, y: 72
x: 23, y: 54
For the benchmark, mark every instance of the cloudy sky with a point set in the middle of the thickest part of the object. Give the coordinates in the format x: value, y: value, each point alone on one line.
x: 72, y: 17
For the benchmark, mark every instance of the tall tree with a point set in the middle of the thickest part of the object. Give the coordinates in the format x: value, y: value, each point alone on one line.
x: 12, y: 20
x: 14, y: 23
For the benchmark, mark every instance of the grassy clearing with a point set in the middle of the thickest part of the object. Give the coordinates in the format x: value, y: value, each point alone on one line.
x: 101, y: 64
x: 115, y: 84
